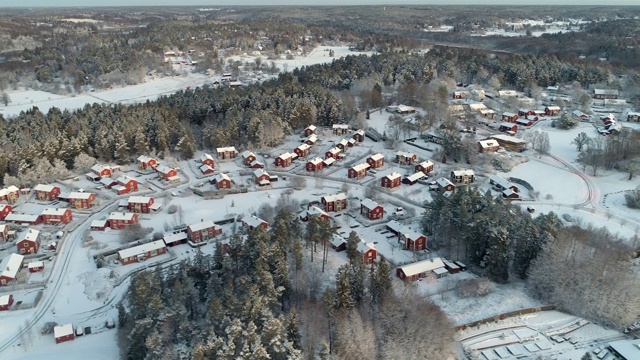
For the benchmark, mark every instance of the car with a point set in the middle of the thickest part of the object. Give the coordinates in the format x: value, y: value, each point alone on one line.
x: 79, y: 331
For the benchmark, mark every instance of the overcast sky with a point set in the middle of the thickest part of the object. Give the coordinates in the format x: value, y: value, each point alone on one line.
x: 70, y: 3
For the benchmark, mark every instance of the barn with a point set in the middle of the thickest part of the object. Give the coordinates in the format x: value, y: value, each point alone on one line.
x: 261, y: 177
x: 371, y: 210
x: 63, y: 333
x: 425, y: 166
x: 142, y: 252
x: 375, y: 161
x: 54, y: 216
x: 166, y: 173
x: 390, y: 181
x: 30, y: 243
x: 46, y: 192
x: 420, y: 269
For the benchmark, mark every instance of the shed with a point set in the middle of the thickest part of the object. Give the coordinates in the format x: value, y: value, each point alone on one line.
x: 5, y: 302
x: 63, y: 333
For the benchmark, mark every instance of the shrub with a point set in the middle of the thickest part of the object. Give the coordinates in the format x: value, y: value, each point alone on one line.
x: 172, y: 209
x: 474, y: 288
x: 633, y: 199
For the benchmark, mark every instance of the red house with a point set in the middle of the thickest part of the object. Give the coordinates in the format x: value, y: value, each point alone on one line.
x: 390, y: 181
x: 375, y: 161
x: 206, y: 170
x: 30, y: 244
x: 5, y: 302
x: 99, y: 225
x: 146, y: 162
x: 225, y: 153
x: 425, y: 166
x: 337, y: 202
x: 107, y: 182
x: 358, y: 172
x: 284, y: 160
x: 9, y: 268
x: 46, y: 192
x: 412, y: 240
x: 358, y: 136
x: 256, y: 165
x: 4, y: 232
x: 166, y: 173
x: 426, y: 268
x: 302, y: 150
x: 35, y: 266
x: 552, y: 110
x: 202, y: 231
x: 524, y: 121
x: 343, y: 145
x: 253, y: 222
x: 10, y: 194
x: 126, y: 185
x: 207, y: 159
x: 102, y: 170
x: 311, y: 140
x: 508, y: 126
x: 54, y: 216
x: 261, y: 177
x: 120, y: 220
x: 140, y: 204
x: 405, y: 158
x: 368, y: 251
x: 371, y: 210
x: 222, y: 181
x: 444, y: 185
x: 313, y: 211
x: 4, y: 211
x: 315, y: 164
x: 142, y: 252
x: 509, y: 117
x: 248, y: 157
x: 309, y: 130
x: 63, y: 333
x: 82, y: 200
x: 333, y: 153
x: 525, y: 112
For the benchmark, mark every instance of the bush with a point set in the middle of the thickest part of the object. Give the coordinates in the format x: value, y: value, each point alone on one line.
x: 48, y: 327
x: 172, y: 209
x: 474, y: 288
x: 633, y: 199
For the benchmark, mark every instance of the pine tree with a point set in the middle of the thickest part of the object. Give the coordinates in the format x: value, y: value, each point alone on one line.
x: 293, y: 331
x: 352, y: 247
x: 343, y: 299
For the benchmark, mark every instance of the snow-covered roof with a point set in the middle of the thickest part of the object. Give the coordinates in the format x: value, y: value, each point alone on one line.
x: 315, y: 161
x: 123, y: 179
x: 259, y: 172
x: 205, y: 157
x: 443, y: 182
x: 499, y: 180
x: 205, y: 168
x: 464, y: 172
x: 247, y: 153
x: 395, y: 225
x: 202, y: 225
x: 554, y: 107
x: 508, y: 138
x: 507, y: 93
x: 139, y: 199
x: 343, y: 142
x: 226, y: 149
x: 163, y: 169
x: 99, y: 223
x: 35, y: 264
x: 422, y: 266
x: 285, y: 156
x: 337, y: 240
x: 106, y: 181
x: 335, y: 150
x: 144, y: 158
x: 628, y: 349
x: 126, y: 216
x: 477, y: 106
x: 256, y: 162
x: 62, y: 330
x: 329, y: 161
x: 171, y: 238
x: 488, y: 143
x: 21, y: 218
x: 54, y: 211
x: 8, y: 190
x: 605, y: 92
x: 314, y: 210
x: 487, y: 111
x: 393, y: 175
x: 410, y: 234
x: 155, y: 206
x: 3, y: 227
x: 415, y: 177
x: 10, y: 265
x: 405, y: 154
x: 4, y: 300
x: 312, y: 138
x: 364, y: 247
x: 376, y: 157
x: 100, y: 167
x: 221, y: 177
x: 509, y: 192
x: 80, y: 195
x: 509, y: 114
x: 351, y: 141
x: 141, y: 249
x: 340, y: 126
x: 360, y: 132
x: 633, y: 113
x: 252, y: 221
x: 405, y: 108
x: 311, y: 127
x: 335, y: 197
x: 369, y: 204
x: 361, y: 167
x: 92, y: 176
x: 304, y: 147
x: 43, y: 187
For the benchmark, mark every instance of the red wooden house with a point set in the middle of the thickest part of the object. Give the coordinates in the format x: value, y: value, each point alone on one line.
x: 343, y: 145
x: 253, y: 222
x: 10, y: 194
x: 53, y: 216
x: 5, y: 302
x: 444, y: 185
x: 509, y: 117
x: 392, y: 180
x: 140, y: 204
x: 313, y: 211
x: 337, y: 202
x: 284, y: 160
x: 206, y: 170
x: 425, y: 166
x: 108, y: 182
x: 311, y: 140
x: 63, y: 333
x: 302, y: 150
x: 371, y: 210
x: 9, y: 268
x: 120, y: 220
x: 368, y: 251
x: 202, y: 231
x: 375, y: 161
x: 126, y: 185
x: 82, y: 200
x: 340, y: 129
x: 146, y: 162
x: 142, y: 252
x: 99, y: 225
x: 248, y: 157
x: 358, y: 172
x: 5, y: 210
x: 225, y: 153
x: 315, y: 164
x: 222, y: 181
x: 333, y: 153
x: 525, y: 112
x: 412, y: 240
x: 46, y: 192
x: 552, y: 110
x: 433, y: 268
x: 309, y: 130
x: 508, y: 126
x: 102, y: 170
x: 35, y: 266
x: 261, y: 177
x: 30, y: 243
x: 405, y: 158
x: 207, y: 159
x: 4, y: 232
x: 358, y: 136
x: 166, y: 173
x: 256, y: 165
